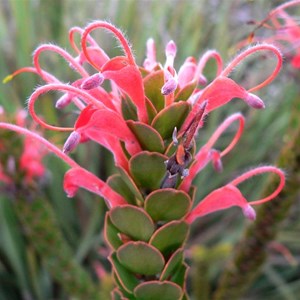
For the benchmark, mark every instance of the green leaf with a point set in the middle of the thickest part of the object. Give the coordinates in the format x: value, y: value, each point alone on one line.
x: 180, y: 275
x: 131, y: 185
x: 141, y: 258
x: 158, y: 290
x: 127, y: 280
x: 111, y: 233
x: 151, y: 110
x: 169, y: 118
x: 167, y: 204
x: 132, y: 221
x: 153, y: 84
x: 148, y: 169
x: 117, y: 183
x: 148, y: 137
x: 185, y: 93
x: 174, y: 261
x: 129, y: 110
x: 170, y: 237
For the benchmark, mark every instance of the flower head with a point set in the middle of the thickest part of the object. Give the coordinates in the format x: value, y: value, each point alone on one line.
x: 149, y: 113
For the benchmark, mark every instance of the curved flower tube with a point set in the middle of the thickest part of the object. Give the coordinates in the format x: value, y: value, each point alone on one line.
x: 80, y: 178
x: 75, y: 65
x: 207, y: 153
x: 223, y: 89
x: 60, y: 87
x: 230, y: 195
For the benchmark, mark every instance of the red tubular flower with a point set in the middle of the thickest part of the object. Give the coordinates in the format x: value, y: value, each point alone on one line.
x: 230, y: 195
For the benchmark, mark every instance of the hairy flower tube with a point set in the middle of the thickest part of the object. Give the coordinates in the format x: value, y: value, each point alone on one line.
x: 282, y: 30
x: 148, y: 119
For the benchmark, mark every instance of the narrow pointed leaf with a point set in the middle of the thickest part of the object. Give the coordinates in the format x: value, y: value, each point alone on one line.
x: 158, y: 290
x: 141, y: 258
x: 167, y: 205
x: 132, y: 221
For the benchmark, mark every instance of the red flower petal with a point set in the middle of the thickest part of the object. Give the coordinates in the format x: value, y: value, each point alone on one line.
x: 81, y: 178
x: 129, y: 79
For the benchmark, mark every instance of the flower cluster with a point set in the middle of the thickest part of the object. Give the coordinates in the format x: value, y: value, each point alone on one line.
x: 144, y: 97
x: 148, y: 119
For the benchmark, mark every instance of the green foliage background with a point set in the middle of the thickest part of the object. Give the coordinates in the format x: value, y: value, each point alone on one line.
x: 195, y: 26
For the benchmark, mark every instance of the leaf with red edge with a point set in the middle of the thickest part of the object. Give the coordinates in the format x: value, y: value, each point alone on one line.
x: 141, y: 258
x: 132, y: 221
x: 169, y: 118
x: 126, y: 278
x: 186, y: 92
x: 117, y: 183
x: 170, y: 237
x: 171, y: 266
x: 163, y: 290
x: 148, y: 138
x: 111, y: 234
x: 148, y: 169
x: 167, y: 204
x: 153, y: 84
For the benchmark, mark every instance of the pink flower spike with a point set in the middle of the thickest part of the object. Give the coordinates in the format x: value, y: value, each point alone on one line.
x: 92, y: 82
x: 72, y: 141
x: 81, y: 178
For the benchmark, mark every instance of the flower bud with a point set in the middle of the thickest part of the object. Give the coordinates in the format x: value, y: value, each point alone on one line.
x: 64, y: 101
x: 92, y: 81
x: 249, y: 212
x: 72, y: 141
x: 169, y: 87
x: 254, y: 101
